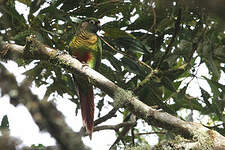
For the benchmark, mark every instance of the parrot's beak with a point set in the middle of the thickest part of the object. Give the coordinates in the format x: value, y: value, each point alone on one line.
x: 99, y: 26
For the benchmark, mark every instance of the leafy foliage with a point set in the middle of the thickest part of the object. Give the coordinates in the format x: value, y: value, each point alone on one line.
x: 4, y: 123
x: 169, y: 42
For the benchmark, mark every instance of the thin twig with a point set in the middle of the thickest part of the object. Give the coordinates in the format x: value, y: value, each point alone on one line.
x: 138, y: 134
x: 133, y: 137
x: 111, y: 114
x: 143, y: 82
x: 154, y: 19
x: 115, y: 127
x: 213, y: 127
x: 125, y: 130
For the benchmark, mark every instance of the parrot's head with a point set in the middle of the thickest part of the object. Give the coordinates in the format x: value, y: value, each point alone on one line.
x: 91, y: 25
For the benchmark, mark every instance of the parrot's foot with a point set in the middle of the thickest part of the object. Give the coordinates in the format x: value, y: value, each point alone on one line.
x: 84, y: 64
x: 63, y: 52
x: 4, y: 51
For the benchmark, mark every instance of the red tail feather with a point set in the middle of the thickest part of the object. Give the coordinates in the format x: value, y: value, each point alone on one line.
x: 87, y: 109
x: 86, y: 96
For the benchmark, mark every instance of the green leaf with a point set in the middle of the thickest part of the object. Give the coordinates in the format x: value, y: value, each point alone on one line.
x: 115, y: 62
x: 205, y: 96
x: 62, y: 83
x: 38, y: 147
x: 55, y: 12
x: 145, y: 21
x: 4, y: 123
x: 75, y: 19
x: 183, y: 100
x: 213, y: 66
x: 168, y: 83
x: 11, y: 18
x: 131, y: 44
x: 20, y: 38
x: 131, y: 65
x: 184, y: 49
x: 165, y: 23
x: 35, y: 5
x: 220, y: 53
x: 26, y: 2
x: 109, y: 73
x: 116, y: 33
x: 213, y: 86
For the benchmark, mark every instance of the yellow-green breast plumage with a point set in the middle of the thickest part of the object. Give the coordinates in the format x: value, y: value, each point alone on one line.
x: 86, y: 47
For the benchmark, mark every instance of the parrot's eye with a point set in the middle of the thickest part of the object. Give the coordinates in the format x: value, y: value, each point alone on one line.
x: 92, y: 21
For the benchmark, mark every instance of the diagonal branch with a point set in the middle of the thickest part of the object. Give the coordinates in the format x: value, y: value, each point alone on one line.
x: 125, y: 130
x: 45, y: 114
x: 111, y: 114
x: 126, y: 100
x: 115, y: 127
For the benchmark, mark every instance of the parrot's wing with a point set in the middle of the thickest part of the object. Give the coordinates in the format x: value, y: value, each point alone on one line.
x: 99, y: 55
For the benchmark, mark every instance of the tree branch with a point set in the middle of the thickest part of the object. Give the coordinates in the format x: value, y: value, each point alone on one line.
x: 111, y: 127
x: 125, y: 130
x: 126, y: 100
x: 44, y: 113
x: 114, y: 127
x: 111, y: 114
x: 8, y: 142
x: 155, y: 132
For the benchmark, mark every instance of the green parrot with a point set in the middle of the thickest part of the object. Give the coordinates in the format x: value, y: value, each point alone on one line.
x: 87, y: 48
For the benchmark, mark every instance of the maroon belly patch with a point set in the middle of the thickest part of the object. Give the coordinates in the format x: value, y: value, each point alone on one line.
x: 83, y: 57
